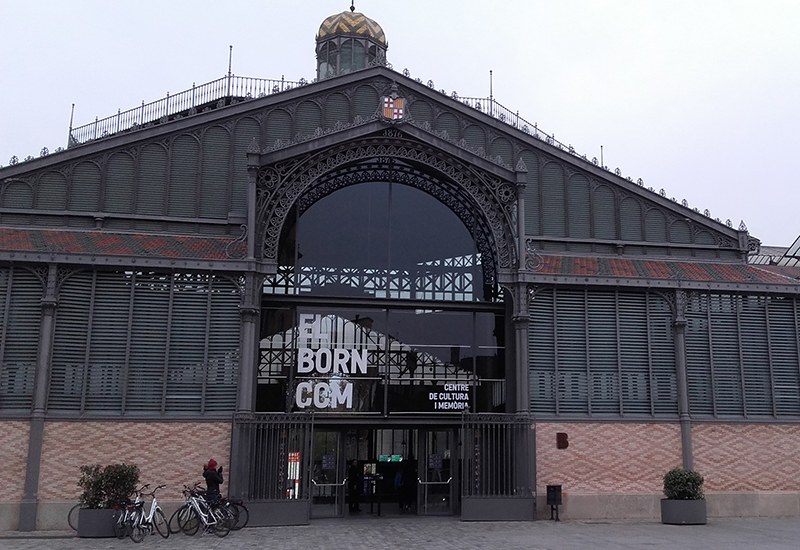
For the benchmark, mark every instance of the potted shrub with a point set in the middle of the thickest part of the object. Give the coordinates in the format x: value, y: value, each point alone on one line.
x: 685, y: 503
x: 104, y: 490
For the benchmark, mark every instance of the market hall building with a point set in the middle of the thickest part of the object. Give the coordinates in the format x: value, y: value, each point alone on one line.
x: 292, y: 276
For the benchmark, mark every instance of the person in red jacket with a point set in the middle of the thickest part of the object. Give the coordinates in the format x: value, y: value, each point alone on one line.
x: 213, y: 477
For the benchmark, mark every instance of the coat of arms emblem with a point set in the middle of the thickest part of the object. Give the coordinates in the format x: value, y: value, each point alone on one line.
x: 393, y: 107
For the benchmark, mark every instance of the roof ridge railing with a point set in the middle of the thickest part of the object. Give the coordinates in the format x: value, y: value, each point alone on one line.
x: 198, y: 98
x: 493, y: 108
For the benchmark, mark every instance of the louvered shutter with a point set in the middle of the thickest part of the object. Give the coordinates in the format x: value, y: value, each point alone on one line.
x: 223, y: 347
x: 187, y: 334
x: 542, y: 353
x: 247, y: 129
x: 148, y: 342
x: 501, y: 147
x: 152, y: 188
x: 476, y: 139
x: 278, y: 127
x: 366, y: 101
x: 784, y: 335
x: 755, y: 357
x: 183, y: 177
x: 118, y: 191
x: 572, y: 352
x: 20, y: 311
x: 69, y: 370
x: 661, y: 353
x: 449, y: 123
x: 214, y: 191
x: 337, y: 109
x: 553, y: 206
x: 578, y: 207
x: 635, y: 383
x: 307, y: 118
x: 630, y: 212
x: 603, y: 353
x: 728, y: 394
x: 604, y: 213
x: 85, y: 188
x: 108, y: 341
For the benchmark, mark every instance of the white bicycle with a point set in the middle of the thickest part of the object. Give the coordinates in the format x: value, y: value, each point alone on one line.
x: 214, y: 516
x: 142, y: 524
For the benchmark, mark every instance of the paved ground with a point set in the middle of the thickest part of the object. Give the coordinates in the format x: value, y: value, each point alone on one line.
x: 378, y: 533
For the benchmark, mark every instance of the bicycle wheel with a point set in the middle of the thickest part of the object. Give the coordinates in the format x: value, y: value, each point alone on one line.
x: 120, y: 523
x: 189, y: 521
x: 160, y: 522
x: 234, y: 512
x: 223, y: 521
x: 242, y: 515
x: 72, y: 516
x: 178, y: 518
x: 138, y: 528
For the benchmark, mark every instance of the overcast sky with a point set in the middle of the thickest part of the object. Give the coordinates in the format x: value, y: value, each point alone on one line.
x: 700, y: 98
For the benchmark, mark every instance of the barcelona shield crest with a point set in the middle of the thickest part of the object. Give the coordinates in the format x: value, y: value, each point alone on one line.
x: 393, y: 107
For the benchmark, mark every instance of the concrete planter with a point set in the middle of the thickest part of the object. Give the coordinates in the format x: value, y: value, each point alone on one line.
x: 683, y: 512
x: 95, y: 523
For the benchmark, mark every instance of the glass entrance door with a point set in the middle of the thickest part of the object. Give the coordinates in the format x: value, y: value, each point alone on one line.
x: 328, y: 475
x: 437, y: 472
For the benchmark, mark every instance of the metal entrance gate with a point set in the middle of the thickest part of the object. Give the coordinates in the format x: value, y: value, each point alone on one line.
x: 271, y: 454
x: 498, y: 474
x: 273, y: 468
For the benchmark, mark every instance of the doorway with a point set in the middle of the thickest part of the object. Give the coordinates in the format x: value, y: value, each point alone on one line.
x: 384, y: 471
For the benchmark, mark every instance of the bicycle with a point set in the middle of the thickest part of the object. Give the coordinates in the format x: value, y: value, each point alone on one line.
x: 142, y: 524
x: 240, y: 513
x: 215, y: 517
x: 123, y: 515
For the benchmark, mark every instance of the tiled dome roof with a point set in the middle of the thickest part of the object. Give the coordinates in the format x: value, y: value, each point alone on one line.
x: 351, y: 23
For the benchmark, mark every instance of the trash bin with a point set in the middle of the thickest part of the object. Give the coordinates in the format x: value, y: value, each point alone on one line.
x: 554, y: 495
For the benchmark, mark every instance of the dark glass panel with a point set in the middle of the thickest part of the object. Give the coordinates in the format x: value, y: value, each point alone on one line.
x: 380, y: 240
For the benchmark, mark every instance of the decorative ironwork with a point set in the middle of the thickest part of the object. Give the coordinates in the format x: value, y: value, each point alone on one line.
x: 533, y: 261
x: 235, y: 250
x: 475, y: 191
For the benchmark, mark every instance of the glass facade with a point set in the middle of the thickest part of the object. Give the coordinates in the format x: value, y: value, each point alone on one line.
x: 380, y: 360
x: 419, y: 350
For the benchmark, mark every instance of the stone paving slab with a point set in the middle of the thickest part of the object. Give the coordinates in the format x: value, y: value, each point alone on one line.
x: 382, y: 533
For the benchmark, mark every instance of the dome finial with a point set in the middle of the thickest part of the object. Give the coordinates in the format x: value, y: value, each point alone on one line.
x: 352, y: 5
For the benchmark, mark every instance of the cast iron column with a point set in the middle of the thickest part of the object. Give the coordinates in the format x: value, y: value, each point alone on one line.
x: 29, y: 505
x: 682, y: 379
x: 521, y: 314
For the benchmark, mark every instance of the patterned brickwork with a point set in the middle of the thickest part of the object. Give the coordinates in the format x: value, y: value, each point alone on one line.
x: 168, y: 453
x: 607, y: 458
x: 747, y: 457
x: 14, y: 450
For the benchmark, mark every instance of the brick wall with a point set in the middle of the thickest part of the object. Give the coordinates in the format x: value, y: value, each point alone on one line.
x: 14, y: 445
x: 607, y: 458
x: 747, y: 457
x: 166, y: 453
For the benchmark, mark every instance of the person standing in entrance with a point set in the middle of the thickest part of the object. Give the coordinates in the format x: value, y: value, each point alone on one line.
x: 213, y: 477
x: 355, y: 481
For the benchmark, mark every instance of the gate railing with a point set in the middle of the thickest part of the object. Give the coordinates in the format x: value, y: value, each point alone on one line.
x: 278, y: 451
x: 497, y: 454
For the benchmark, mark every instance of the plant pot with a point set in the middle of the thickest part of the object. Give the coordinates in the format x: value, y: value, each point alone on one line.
x: 683, y: 512
x: 95, y: 522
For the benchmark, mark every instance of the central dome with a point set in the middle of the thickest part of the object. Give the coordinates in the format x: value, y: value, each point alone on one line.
x: 351, y: 23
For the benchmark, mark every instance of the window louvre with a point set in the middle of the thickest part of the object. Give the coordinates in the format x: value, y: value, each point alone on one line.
x: 20, y: 312
x: 145, y: 342
x: 599, y: 352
